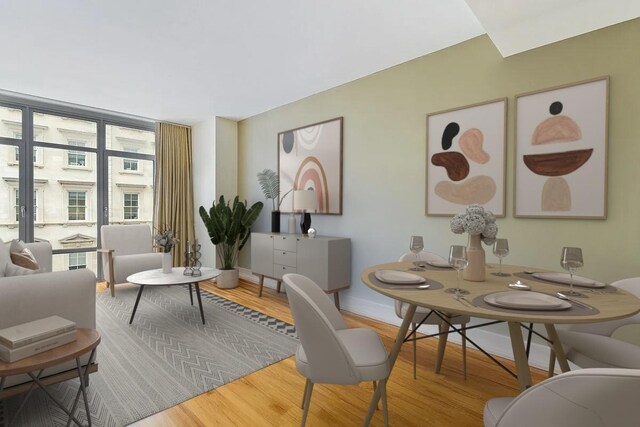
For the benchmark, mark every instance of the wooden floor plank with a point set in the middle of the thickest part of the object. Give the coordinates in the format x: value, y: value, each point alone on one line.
x: 272, y: 395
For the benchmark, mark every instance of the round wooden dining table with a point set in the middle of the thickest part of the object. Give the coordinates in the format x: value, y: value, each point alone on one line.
x: 596, y: 305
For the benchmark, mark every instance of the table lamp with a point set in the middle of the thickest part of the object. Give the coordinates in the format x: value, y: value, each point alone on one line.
x: 305, y: 201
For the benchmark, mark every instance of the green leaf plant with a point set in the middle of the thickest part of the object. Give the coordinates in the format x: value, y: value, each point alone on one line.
x: 229, y: 227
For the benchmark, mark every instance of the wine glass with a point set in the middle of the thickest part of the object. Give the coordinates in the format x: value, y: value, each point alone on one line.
x: 571, y: 260
x: 416, y: 246
x: 501, y: 250
x: 459, y: 261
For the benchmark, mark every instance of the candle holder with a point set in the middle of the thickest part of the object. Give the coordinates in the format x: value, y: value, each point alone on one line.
x: 196, y: 265
x: 188, y: 270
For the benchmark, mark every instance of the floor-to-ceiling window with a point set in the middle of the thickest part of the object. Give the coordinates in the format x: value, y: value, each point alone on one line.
x: 86, y: 169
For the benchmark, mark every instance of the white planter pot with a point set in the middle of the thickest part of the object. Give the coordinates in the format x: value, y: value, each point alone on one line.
x: 228, y: 279
x: 167, y: 262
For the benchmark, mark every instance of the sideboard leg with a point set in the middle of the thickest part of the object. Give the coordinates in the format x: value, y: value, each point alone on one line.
x: 261, y: 283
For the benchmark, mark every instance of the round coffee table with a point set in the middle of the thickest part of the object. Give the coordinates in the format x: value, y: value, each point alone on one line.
x: 158, y: 278
x: 86, y: 341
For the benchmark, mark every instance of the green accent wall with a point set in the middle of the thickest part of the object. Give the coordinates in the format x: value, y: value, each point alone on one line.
x: 385, y: 149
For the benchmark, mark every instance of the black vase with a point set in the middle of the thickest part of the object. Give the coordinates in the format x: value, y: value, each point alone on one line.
x: 275, y: 221
x: 305, y: 222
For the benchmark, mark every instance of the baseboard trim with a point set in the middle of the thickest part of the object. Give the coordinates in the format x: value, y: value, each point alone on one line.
x: 492, y: 342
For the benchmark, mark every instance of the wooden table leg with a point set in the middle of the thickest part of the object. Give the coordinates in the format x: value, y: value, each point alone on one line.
x: 443, y: 328
x: 520, y: 356
x: 393, y: 355
x: 261, y: 283
x: 557, y: 347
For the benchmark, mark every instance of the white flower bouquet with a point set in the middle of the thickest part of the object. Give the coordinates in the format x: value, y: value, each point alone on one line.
x: 475, y: 220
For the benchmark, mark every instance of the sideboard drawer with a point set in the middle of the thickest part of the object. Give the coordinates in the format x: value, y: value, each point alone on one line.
x: 280, y: 270
x: 284, y: 258
x: 285, y: 243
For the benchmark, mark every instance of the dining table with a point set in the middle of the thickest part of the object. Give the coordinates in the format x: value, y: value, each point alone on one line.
x: 597, y: 304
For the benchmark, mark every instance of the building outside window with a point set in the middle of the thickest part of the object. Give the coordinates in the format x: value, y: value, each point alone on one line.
x: 76, y: 158
x: 35, y: 205
x: 77, y: 205
x: 77, y: 260
x: 131, y: 206
x: 130, y: 165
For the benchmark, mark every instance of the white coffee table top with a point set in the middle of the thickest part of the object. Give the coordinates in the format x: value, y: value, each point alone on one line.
x: 158, y: 278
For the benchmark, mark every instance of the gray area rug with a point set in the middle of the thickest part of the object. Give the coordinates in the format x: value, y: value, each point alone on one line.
x: 165, y: 357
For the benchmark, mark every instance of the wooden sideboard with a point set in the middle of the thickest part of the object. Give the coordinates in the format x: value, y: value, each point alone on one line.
x: 325, y: 260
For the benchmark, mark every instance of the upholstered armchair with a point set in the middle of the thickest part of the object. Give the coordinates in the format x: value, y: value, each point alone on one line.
x: 126, y: 249
x: 595, y: 397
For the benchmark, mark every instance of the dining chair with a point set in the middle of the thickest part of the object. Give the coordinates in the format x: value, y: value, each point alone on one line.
x: 596, y: 397
x: 329, y: 351
x: 126, y: 249
x: 427, y: 317
x: 591, y: 345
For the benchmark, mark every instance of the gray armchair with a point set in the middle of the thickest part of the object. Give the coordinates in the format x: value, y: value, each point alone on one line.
x: 126, y: 249
x: 598, y: 397
x: 330, y: 352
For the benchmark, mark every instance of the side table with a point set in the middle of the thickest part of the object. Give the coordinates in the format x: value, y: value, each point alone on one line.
x: 86, y: 341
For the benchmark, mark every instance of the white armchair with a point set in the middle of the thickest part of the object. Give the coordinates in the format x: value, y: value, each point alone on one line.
x: 597, y: 397
x: 591, y: 345
x: 126, y: 249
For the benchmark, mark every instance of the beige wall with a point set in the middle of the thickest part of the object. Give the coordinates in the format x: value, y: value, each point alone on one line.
x: 384, y: 152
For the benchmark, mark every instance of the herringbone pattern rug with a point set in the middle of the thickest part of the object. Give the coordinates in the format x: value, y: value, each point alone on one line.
x: 165, y: 357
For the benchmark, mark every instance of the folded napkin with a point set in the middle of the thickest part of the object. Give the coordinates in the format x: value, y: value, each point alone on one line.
x: 565, y: 278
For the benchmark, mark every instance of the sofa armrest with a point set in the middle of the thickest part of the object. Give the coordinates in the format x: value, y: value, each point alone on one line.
x: 69, y: 294
x: 43, y: 254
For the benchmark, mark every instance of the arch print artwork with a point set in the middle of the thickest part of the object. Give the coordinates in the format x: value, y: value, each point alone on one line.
x: 466, y: 158
x: 561, y: 151
x: 310, y: 158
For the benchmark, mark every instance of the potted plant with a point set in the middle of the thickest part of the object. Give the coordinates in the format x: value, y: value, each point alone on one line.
x: 270, y: 185
x: 481, y: 226
x: 228, y: 225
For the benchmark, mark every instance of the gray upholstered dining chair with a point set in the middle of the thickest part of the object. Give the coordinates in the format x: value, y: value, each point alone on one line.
x: 433, y: 319
x: 597, y: 397
x: 329, y: 351
x: 126, y: 249
x: 591, y: 345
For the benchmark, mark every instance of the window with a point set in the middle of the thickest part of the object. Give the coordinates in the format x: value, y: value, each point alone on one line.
x: 35, y: 155
x: 35, y: 205
x: 130, y: 206
x: 130, y: 165
x: 77, y: 260
x: 76, y: 158
x: 77, y: 205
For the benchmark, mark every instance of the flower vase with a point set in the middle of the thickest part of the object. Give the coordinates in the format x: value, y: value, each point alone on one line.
x: 167, y: 262
x: 475, y: 270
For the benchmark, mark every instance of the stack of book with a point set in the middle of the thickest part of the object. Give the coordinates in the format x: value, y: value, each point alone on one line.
x: 28, y: 339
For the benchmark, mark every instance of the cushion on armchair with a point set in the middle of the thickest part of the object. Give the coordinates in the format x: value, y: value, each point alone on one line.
x: 5, y: 258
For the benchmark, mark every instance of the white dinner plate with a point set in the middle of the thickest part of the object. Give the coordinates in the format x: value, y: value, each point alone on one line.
x: 437, y: 261
x: 396, y: 277
x: 565, y: 278
x: 526, y: 301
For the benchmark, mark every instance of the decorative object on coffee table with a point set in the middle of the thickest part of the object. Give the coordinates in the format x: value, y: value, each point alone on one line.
x: 166, y: 240
x: 229, y: 228
x: 481, y: 227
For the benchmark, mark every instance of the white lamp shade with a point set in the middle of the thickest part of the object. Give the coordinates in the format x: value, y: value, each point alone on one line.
x: 304, y: 200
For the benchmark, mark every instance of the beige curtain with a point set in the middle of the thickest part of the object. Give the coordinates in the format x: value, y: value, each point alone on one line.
x: 174, y: 185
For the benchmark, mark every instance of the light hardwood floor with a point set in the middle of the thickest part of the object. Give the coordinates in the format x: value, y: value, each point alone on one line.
x: 272, y: 395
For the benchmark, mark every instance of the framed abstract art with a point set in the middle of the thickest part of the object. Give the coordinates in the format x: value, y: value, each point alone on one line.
x: 561, y: 151
x: 466, y: 158
x: 310, y: 158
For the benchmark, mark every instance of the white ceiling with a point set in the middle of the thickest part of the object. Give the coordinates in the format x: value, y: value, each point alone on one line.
x: 188, y: 60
